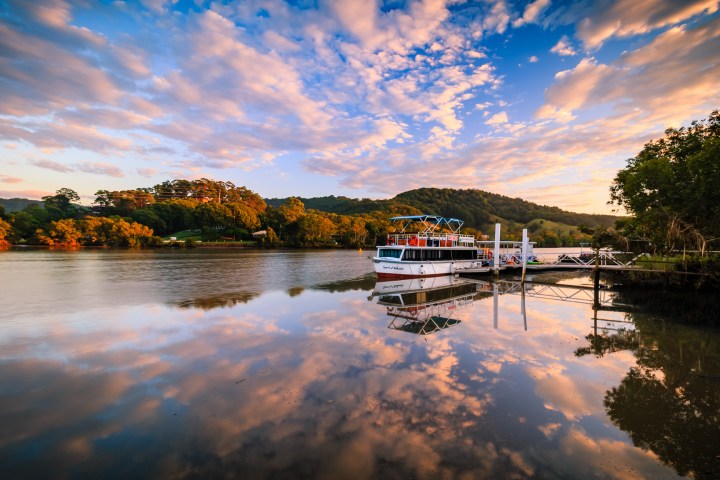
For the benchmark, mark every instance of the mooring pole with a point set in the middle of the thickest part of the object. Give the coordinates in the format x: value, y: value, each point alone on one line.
x: 524, y: 254
x: 496, y: 253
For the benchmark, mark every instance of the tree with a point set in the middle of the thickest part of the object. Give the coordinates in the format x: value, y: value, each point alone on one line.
x: 270, y: 239
x: 314, y: 228
x: 123, y: 202
x: 27, y: 222
x: 292, y: 210
x: 5, y: 229
x: 670, y: 187
x: 64, y: 233
x: 243, y: 216
x: 150, y: 218
x: 61, y: 205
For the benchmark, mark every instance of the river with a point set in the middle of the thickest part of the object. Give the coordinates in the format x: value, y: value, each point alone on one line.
x: 208, y: 363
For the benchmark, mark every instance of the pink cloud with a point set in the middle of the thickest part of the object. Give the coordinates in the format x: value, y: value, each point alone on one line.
x: 100, y: 168
x: 8, y: 179
x: 52, y: 165
x: 31, y: 194
x: 625, y: 18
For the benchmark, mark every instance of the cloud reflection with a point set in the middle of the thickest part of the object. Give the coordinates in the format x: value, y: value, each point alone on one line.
x: 313, y: 385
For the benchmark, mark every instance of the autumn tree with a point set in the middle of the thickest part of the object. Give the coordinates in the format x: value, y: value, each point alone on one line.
x: 5, y: 229
x: 63, y: 233
x: 314, y: 228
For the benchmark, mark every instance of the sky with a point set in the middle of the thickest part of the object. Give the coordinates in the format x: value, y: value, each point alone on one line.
x: 542, y: 100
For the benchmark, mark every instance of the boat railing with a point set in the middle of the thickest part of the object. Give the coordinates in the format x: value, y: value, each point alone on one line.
x: 431, y: 239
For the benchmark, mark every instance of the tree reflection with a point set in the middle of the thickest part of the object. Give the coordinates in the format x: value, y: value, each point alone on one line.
x: 600, y: 345
x: 218, y: 301
x: 670, y: 402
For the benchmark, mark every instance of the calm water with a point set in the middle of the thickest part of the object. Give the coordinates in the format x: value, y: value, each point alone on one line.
x: 244, y: 364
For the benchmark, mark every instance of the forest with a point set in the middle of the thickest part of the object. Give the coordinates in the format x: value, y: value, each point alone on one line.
x: 218, y: 211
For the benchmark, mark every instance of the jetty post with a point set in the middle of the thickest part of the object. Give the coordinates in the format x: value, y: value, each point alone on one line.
x: 524, y: 255
x: 496, y: 253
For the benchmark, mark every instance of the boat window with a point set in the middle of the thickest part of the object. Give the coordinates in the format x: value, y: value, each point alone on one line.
x: 390, y: 252
x: 412, y: 254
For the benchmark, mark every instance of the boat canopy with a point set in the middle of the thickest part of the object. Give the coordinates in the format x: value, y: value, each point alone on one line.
x: 430, y: 222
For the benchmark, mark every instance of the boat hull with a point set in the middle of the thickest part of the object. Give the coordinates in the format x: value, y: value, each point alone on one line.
x: 408, y: 269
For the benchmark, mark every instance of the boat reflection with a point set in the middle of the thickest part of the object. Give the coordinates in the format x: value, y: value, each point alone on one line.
x: 425, y: 305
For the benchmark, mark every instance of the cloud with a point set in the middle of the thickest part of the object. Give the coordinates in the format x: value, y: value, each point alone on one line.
x: 52, y: 165
x: 147, y: 172
x: 497, y: 18
x: 31, y: 194
x: 100, y: 168
x: 575, y: 88
x: 497, y: 119
x: 563, y: 47
x: 624, y: 18
x: 532, y: 13
x: 533, y: 59
x: 674, y: 74
x: 9, y: 179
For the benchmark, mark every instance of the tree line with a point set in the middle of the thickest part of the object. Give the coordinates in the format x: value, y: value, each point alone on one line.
x: 216, y: 210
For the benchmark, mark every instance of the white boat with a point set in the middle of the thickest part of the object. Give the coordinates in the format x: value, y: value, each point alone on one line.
x: 427, y: 246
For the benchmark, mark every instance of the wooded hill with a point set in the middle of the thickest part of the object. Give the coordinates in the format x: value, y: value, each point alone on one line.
x: 17, y: 204
x: 477, y: 208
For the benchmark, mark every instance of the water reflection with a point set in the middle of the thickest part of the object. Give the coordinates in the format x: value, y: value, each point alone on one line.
x: 424, y: 305
x: 669, y: 401
x: 303, y: 379
x: 218, y: 301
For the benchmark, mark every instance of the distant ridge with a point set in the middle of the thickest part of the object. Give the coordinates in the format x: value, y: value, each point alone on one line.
x: 17, y: 204
x: 479, y: 209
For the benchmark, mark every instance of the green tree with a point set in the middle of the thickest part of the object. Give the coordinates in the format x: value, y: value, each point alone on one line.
x: 670, y: 187
x: 150, y: 218
x: 27, y: 222
x: 123, y: 202
x: 61, y: 205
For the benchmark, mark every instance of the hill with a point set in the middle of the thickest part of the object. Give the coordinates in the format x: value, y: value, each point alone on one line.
x: 479, y: 209
x: 17, y: 204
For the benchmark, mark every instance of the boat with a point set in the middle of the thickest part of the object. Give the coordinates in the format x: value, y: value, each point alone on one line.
x: 427, y: 246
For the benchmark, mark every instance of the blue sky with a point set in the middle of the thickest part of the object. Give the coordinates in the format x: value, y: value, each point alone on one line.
x: 543, y: 100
